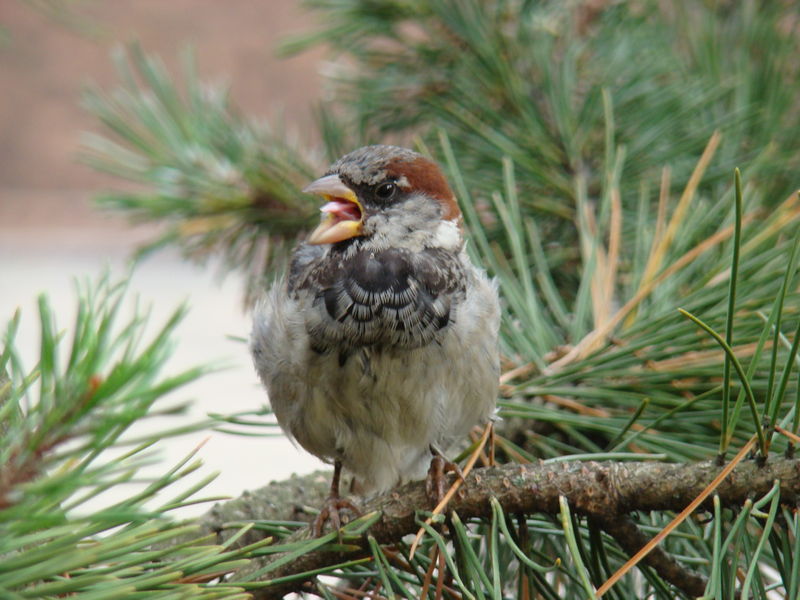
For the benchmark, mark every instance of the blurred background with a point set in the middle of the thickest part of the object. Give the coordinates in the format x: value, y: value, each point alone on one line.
x: 50, y: 233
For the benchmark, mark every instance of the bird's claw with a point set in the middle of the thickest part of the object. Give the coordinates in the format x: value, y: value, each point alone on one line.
x: 330, y: 512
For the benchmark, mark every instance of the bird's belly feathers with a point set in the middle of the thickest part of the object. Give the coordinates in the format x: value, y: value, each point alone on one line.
x: 380, y: 411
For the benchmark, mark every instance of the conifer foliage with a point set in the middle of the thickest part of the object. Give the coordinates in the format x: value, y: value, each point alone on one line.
x: 627, y: 171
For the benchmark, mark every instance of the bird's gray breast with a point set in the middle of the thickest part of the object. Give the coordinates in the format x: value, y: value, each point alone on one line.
x: 393, y: 297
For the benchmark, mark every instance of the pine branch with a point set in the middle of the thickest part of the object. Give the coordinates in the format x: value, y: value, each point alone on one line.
x: 220, y: 184
x: 537, y: 81
x: 62, y: 446
x: 605, y: 492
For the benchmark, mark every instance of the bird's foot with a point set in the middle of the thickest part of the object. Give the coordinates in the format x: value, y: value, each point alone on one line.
x: 330, y: 512
x: 436, y: 482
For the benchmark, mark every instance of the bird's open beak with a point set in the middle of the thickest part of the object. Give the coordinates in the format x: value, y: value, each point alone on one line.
x: 343, y: 215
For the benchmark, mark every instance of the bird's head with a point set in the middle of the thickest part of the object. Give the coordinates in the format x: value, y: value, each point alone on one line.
x: 387, y: 194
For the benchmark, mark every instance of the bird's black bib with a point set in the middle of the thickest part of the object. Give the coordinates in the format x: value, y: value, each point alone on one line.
x: 393, y: 298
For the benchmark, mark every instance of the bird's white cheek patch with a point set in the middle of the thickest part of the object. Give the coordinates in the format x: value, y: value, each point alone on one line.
x: 448, y: 235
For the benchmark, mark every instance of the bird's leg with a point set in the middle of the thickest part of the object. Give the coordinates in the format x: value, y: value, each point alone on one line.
x: 333, y: 504
x: 492, y: 439
x: 436, y: 483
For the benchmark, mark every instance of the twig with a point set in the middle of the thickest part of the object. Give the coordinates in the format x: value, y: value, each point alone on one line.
x: 631, y: 539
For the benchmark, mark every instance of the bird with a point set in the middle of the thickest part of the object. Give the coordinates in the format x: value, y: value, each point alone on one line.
x: 378, y: 348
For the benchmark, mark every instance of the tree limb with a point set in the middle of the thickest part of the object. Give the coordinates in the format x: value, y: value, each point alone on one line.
x: 605, y: 492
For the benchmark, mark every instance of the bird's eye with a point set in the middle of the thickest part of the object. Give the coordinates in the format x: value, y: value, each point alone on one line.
x: 385, y: 190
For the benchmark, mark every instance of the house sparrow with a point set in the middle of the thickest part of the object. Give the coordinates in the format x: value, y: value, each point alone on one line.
x: 379, y: 348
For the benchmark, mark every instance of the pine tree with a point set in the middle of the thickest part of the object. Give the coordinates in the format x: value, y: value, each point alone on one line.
x: 650, y: 330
